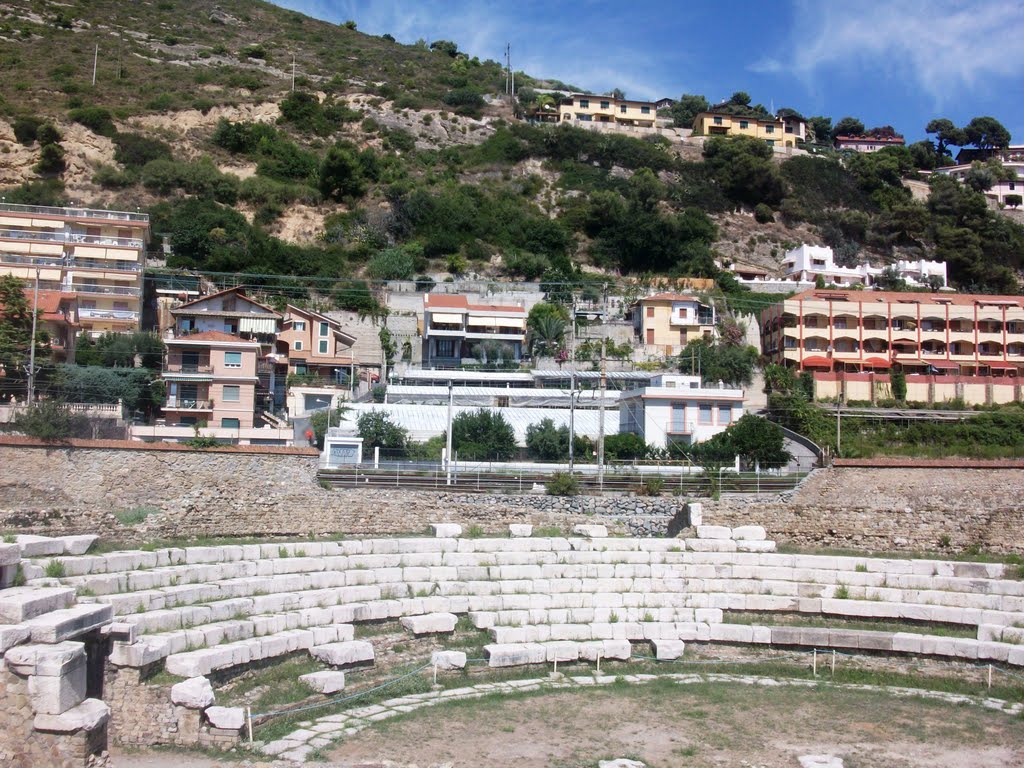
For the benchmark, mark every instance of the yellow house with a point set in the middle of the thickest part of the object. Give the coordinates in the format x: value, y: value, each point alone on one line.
x: 716, y: 124
x: 666, y: 322
x: 582, y: 108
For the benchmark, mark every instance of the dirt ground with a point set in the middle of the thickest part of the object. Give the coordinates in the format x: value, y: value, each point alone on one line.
x: 667, y: 726
x: 711, y: 725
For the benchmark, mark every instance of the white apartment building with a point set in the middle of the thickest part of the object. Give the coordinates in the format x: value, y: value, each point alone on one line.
x: 1012, y: 158
x: 675, y: 408
x: 808, y: 262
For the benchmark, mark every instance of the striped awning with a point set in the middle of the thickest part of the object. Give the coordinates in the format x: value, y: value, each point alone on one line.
x: 257, y: 325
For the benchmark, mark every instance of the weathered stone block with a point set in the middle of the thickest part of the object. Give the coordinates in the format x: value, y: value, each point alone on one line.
x: 86, y: 716
x: 67, y: 623
x: 39, y: 546
x: 194, y: 693
x: 45, y: 660
x: 448, y: 659
x: 749, y: 533
x: 226, y: 718
x: 713, y: 532
x: 18, y: 604
x: 430, y: 623
x: 10, y: 554
x: 755, y: 546
x: 12, y: 635
x: 562, y: 650
x: 344, y: 654
x: 326, y: 681
x: 446, y: 530
x: 514, y: 654
x: 666, y: 649
x: 520, y: 530
x: 57, y: 694
x: 77, y: 545
x: 590, y: 531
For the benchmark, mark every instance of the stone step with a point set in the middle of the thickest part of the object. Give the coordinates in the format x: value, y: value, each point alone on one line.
x: 19, y: 604
x: 68, y: 623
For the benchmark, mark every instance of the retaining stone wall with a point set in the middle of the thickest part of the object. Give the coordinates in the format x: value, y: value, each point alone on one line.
x: 79, y: 490
x: 21, y: 746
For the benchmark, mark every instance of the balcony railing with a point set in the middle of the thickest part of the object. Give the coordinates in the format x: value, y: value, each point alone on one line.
x: 188, y: 368
x: 92, y: 313
x: 38, y: 261
x: 115, y: 290
x: 73, y: 238
x: 78, y: 213
x: 113, y: 265
x: 188, y: 404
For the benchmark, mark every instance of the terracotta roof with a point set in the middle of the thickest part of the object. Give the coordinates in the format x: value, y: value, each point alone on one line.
x: 49, y: 303
x: 877, y: 139
x: 240, y: 292
x: 457, y: 301
x: 906, y: 297
x: 213, y: 336
x: 669, y: 297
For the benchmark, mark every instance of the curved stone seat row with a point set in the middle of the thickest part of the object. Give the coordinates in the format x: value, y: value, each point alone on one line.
x: 197, y: 599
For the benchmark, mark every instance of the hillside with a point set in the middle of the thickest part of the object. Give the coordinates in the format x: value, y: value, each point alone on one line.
x: 389, y: 161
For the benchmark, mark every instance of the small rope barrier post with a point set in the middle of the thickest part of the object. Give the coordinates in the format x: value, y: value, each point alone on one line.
x: 599, y: 662
x: 814, y: 662
x: 833, y: 662
x: 990, y: 677
x: 248, y: 721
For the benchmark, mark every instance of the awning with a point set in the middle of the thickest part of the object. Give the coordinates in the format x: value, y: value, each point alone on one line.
x: 257, y: 325
x: 815, y: 361
x: 877, y: 362
x: 445, y: 317
x: 1002, y: 366
x: 945, y: 365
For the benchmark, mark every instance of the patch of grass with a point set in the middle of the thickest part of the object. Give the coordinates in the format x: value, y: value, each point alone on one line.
x: 548, y: 532
x: 133, y: 517
x: 473, y: 532
x: 271, y: 687
x: 772, y: 619
x: 54, y: 569
x: 842, y: 592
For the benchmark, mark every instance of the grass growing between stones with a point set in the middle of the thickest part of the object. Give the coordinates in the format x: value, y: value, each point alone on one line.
x: 771, y: 619
x: 272, y: 687
x: 969, y: 555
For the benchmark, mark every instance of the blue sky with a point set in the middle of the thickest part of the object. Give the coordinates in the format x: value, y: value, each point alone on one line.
x: 900, y: 62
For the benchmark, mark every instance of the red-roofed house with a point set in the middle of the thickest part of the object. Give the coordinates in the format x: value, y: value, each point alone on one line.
x: 666, y: 322
x: 455, y: 330
x: 58, y: 313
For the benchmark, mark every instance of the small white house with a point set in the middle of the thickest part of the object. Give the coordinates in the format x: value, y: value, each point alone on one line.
x: 676, y: 408
x: 808, y: 262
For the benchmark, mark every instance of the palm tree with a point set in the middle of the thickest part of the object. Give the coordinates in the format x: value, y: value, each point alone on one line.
x: 547, y: 334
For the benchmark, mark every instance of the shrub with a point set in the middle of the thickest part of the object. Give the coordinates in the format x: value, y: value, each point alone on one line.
x: 563, y: 484
x: 529, y: 266
x: 133, y: 150
x: 96, y: 119
x: 55, y: 569
x: 764, y: 214
x: 1013, y: 201
x: 51, y: 160
x: 47, y: 133
x: 651, y: 486
x: 133, y: 517
x: 26, y: 128
x: 392, y: 264
x: 425, y: 283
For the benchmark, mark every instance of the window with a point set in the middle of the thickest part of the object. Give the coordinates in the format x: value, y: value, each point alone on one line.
x: 230, y: 423
x: 744, y: 124
x: 645, y: 110
x: 725, y: 414
x: 789, y: 129
x: 232, y: 359
x: 322, y: 348
x: 299, y: 325
x: 771, y: 142
x: 585, y: 118
x: 446, y: 348
x: 769, y: 129
x: 705, y: 413
x: 718, y: 121
x: 585, y: 103
x: 297, y: 345
x: 650, y: 311
x: 606, y: 105
x: 623, y: 108
x: 232, y: 393
x: 324, y: 329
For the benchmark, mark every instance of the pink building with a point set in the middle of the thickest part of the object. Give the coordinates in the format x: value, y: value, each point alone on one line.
x: 211, y: 377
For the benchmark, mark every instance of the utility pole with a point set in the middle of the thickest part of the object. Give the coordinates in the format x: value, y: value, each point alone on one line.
x: 604, y: 388
x: 448, y: 436
x: 95, y: 61
x: 572, y: 381
x: 32, y: 343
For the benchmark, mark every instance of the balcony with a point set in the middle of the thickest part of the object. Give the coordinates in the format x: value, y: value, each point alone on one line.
x: 119, y: 315
x: 188, y: 367
x: 76, y: 213
x: 187, y: 404
x: 73, y: 238
x: 103, y: 290
x: 106, y: 265
x: 38, y: 261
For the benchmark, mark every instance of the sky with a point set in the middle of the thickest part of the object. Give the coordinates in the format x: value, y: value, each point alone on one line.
x: 899, y: 62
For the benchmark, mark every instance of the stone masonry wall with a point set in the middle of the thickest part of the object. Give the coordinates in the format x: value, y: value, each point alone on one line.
x: 23, y: 747
x: 196, y: 493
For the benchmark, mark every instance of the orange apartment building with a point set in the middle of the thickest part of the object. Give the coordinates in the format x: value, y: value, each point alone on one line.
x: 95, y: 254
x: 950, y: 346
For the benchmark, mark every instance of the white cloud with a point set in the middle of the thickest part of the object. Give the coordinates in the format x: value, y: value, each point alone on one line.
x: 946, y: 47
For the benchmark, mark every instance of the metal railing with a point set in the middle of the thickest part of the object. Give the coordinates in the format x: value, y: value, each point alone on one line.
x: 183, y: 404
x: 188, y: 368
x: 113, y: 265
x: 92, y: 313
x: 78, y: 213
x: 70, y: 237
x: 115, y: 290
x: 39, y: 261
